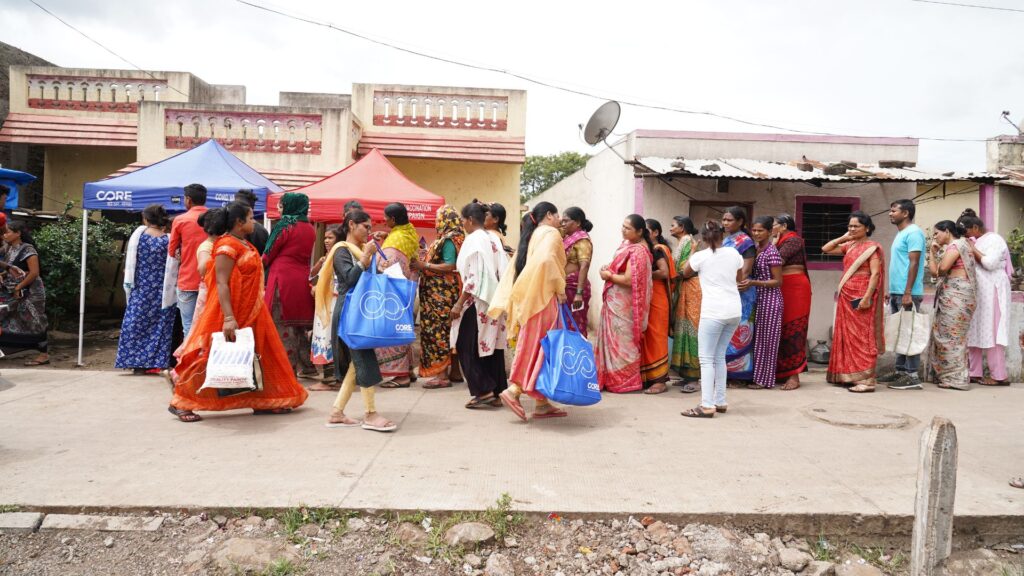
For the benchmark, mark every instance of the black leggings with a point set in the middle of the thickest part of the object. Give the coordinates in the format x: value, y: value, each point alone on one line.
x: 485, y: 374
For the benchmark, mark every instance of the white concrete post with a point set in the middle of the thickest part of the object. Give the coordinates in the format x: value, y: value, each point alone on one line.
x: 81, y: 289
x: 932, y: 539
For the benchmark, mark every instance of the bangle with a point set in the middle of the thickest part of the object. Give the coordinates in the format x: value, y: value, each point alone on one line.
x: 226, y: 318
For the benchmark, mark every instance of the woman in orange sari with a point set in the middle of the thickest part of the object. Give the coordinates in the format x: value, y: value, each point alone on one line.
x: 858, y: 338
x: 234, y: 300
x: 654, y: 359
x: 624, y: 316
x: 530, y: 297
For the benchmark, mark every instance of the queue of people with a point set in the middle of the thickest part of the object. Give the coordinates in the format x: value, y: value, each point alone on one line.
x: 723, y: 304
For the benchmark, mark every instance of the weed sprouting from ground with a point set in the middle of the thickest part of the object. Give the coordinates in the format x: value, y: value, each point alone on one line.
x: 822, y: 550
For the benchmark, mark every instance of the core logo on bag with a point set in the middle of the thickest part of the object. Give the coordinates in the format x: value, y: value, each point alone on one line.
x: 376, y: 305
x: 403, y: 327
x: 578, y: 361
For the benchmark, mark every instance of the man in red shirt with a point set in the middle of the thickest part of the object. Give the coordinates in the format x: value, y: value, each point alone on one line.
x: 186, y: 236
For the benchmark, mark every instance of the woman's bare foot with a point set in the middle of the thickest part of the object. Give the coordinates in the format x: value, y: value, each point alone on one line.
x: 792, y: 383
x: 378, y: 423
x: 337, y: 419
x: 323, y: 387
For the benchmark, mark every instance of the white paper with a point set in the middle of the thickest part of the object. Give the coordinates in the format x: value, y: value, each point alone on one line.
x: 394, y: 271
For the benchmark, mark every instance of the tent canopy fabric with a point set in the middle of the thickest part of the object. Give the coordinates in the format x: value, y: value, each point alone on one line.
x: 12, y: 179
x: 208, y: 164
x: 374, y: 182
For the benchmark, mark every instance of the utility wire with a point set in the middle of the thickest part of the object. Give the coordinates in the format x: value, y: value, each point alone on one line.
x: 424, y: 54
x: 96, y: 42
x: 969, y: 5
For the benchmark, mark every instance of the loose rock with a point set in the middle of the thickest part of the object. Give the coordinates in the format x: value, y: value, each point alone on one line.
x: 819, y: 568
x: 356, y: 524
x: 411, y: 535
x: 499, y: 565
x: 108, y: 542
x: 472, y: 533
x: 856, y: 566
x: 252, y: 554
x: 792, y: 559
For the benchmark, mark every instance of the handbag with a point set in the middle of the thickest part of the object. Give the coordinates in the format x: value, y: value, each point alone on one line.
x: 233, y: 367
x: 569, y: 373
x: 378, y: 311
x: 907, y: 332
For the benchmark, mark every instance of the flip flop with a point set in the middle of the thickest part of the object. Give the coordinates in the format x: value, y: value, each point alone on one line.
x: 353, y: 424
x: 434, y: 385
x: 689, y: 388
x: 513, y: 404
x: 37, y: 362
x: 991, y: 382
x: 390, y: 428
x: 186, y: 416
x: 391, y: 384
x: 556, y: 413
x: 479, y: 403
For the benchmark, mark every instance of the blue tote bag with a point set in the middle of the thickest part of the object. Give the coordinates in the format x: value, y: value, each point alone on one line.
x: 378, y: 312
x: 569, y: 374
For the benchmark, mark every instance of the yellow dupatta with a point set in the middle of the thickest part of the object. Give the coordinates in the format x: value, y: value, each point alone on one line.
x: 322, y: 295
x: 404, y: 239
x: 542, y: 279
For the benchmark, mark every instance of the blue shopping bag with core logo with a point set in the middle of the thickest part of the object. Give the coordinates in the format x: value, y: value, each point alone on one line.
x: 569, y: 374
x: 378, y: 311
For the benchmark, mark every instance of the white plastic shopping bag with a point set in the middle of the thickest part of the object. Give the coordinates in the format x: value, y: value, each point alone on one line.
x: 907, y: 332
x: 230, y: 365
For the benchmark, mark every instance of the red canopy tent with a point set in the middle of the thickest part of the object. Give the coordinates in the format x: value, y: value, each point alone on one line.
x: 374, y: 182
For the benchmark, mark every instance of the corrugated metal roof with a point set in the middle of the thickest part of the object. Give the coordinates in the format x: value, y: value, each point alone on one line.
x: 803, y: 170
x: 71, y: 130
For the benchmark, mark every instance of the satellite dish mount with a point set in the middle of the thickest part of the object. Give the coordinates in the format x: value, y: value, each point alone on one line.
x: 601, y: 124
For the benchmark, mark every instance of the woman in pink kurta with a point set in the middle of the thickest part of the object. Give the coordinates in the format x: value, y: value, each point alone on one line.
x: 287, y: 256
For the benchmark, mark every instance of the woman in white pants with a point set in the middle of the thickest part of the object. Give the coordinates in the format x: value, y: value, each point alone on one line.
x: 720, y: 270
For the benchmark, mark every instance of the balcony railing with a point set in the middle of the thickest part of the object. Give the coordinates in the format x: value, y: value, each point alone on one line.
x: 276, y: 133
x: 91, y: 94
x: 426, y: 110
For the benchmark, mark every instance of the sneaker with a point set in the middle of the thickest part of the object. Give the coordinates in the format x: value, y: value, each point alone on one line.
x: 906, y: 382
x: 890, y: 377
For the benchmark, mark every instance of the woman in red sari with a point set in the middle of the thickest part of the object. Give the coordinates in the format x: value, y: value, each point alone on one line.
x: 234, y: 300
x: 627, y: 303
x: 530, y: 297
x: 654, y: 352
x: 796, y: 298
x: 857, y: 339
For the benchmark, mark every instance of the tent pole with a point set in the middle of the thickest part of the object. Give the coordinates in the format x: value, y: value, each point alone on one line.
x: 81, y: 291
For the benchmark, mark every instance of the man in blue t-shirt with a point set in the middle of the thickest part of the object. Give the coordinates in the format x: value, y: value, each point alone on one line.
x: 906, y: 285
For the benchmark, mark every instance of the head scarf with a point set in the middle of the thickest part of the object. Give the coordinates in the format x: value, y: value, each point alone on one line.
x: 449, y: 227
x: 294, y: 208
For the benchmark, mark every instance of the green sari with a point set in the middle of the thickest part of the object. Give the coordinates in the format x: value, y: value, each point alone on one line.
x: 685, y: 315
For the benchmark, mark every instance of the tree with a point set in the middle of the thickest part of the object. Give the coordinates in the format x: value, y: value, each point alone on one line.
x: 542, y: 172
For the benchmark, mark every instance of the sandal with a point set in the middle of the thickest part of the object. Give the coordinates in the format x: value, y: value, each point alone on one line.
x: 698, y: 412
x: 271, y: 412
x: 657, y: 388
x: 184, y: 415
x: 477, y: 403
x: 553, y: 413
x: 388, y: 427
x: 723, y: 409
x: 689, y: 388
x: 753, y: 386
x: 436, y: 385
x: 323, y: 387
x: 391, y: 384
x: 861, y: 389
x: 513, y: 404
x: 37, y: 362
x: 990, y: 382
x: 496, y: 402
x: 1017, y: 482
x: 350, y: 424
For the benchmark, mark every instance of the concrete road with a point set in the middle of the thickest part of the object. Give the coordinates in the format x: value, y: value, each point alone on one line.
x: 103, y: 439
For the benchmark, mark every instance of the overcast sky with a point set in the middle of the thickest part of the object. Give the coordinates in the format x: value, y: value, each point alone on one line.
x: 859, y: 67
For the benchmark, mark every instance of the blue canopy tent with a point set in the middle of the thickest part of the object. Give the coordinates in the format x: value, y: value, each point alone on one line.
x: 12, y: 179
x: 209, y: 164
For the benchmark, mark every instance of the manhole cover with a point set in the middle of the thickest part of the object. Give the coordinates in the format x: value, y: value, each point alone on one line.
x: 859, y: 416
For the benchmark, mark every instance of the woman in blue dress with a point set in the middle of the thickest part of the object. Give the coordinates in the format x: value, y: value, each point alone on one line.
x: 739, y: 358
x: 145, y: 343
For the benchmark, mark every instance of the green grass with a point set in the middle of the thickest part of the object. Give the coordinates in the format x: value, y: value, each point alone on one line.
x: 5, y: 508
x: 1013, y: 570
x: 822, y: 550
x: 500, y: 517
x: 294, y: 518
x: 874, y: 555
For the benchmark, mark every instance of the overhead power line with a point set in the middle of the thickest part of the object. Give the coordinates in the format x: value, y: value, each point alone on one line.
x: 548, y: 84
x: 969, y: 5
x: 96, y: 42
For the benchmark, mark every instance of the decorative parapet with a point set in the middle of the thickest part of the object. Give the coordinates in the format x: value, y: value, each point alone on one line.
x: 91, y: 94
x: 439, y: 110
x: 276, y: 133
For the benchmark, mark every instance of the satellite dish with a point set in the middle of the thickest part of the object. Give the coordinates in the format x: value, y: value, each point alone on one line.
x: 602, y: 122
